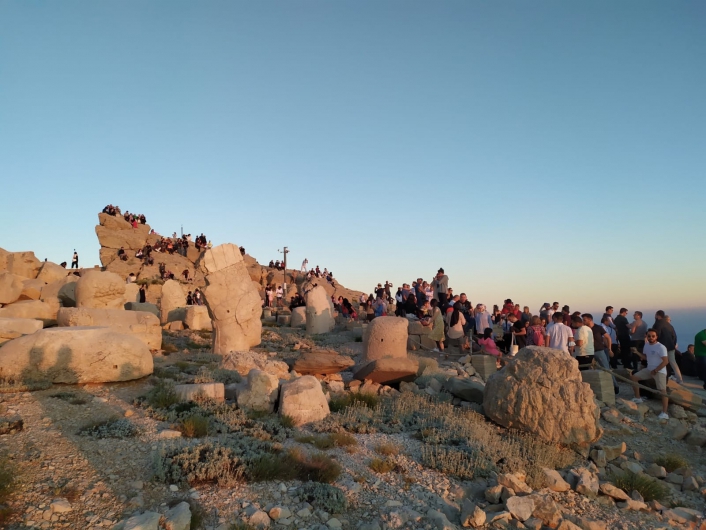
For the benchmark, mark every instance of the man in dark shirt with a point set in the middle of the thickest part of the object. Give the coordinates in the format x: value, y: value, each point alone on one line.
x: 622, y: 331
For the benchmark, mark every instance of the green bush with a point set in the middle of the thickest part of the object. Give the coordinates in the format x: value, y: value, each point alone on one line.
x: 286, y: 421
x: 163, y: 394
x: 111, y: 428
x: 650, y: 488
x: 672, y: 462
x: 325, y: 497
x: 202, y: 463
x: 194, y: 426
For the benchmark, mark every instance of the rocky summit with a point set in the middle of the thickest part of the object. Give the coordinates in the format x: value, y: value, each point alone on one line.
x: 163, y: 390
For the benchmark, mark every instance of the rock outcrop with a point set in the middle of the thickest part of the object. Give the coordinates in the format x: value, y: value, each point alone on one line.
x: 232, y: 299
x: 319, y: 311
x: 145, y: 326
x: 12, y: 328
x: 31, y: 309
x: 303, y: 400
x: 540, y: 391
x: 75, y: 355
x: 23, y: 264
x: 100, y: 290
x: 173, y: 300
x: 197, y: 318
x: 10, y: 287
x: 259, y: 392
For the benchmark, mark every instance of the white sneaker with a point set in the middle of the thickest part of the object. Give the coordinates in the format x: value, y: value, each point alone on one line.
x: 435, y: 350
x: 663, y: 416
x: 638, y: 400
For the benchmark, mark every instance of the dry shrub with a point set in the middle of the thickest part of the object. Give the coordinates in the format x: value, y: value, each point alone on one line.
x: 343, y: 401
x: 168, y: 347
x: 387, y: 449
x: 194, y: 426
x: 671, y: 462
x: 650, y: 488
x: 383, y: 466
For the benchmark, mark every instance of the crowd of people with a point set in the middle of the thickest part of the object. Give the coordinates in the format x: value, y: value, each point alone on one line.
x: 610, y: 339
x: 132, y: 218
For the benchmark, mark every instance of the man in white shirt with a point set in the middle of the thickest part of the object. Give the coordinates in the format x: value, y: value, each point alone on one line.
x: 304, y: 264
x: 558, y: 334
x: 583, y: 337
x: 657, y: 360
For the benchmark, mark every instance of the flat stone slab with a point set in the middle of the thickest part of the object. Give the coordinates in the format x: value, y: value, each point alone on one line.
x: 388, y: 370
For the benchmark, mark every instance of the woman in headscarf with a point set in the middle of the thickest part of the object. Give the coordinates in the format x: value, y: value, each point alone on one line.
x: 456, y: 321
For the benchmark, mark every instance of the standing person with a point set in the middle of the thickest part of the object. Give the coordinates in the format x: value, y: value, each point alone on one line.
x: 74, y: 260
x: 519, y: 332
x: 615, y: 349
x: 437, y: 330
x: 667, y: 337
x: 456, y: 321
x: 440, y: 285
x: 483, y: 319
x: 566, y: 314
x: 700, y: 354
x: 638, y: 330
x: 143, y: 294
x: 583, y: 337
x: 553, y: 309
x: 558, y: 335
x: 657, y: 359
x: 622, y: 331
x: 601, y: 344
x: 268, y: 296
x: 280, y: 295
x: 526, y: 315
x: 304, y: 264
x: 609, y: 313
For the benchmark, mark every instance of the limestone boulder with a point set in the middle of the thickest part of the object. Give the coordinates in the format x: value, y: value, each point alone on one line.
x: 321, y: 362
x: 465, y: 389
x: 319, y: 311
x: 259, y: 392
x: 35, y: 309
x: 298, y: 319
x: 23, y: 264
x: 76, y: 355
x: 115, y: 232
x: 192, y: 392
x: 245, y: 361
x: 233, y: 301
x: 10, y: 287
x: 132, y: 293
x: 388, y: 370
x: 143, y: 325
x: 107, y: 255
x: 12, y: 328
x: 100, y: 290
x: 124, y: 268
x: 540, y: 391
x: 31, y: 289
x: 197, y: 318
x: 173, y: 297
x: 303, y: 400
x: 385, y: 337
x: 149, y: 308
x: 51, y: 272
x: 63, y: 291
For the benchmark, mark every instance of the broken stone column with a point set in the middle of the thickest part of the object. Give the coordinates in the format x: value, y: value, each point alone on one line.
x: 319, y: 311
x: 233, y: 301
x: 384, y: 358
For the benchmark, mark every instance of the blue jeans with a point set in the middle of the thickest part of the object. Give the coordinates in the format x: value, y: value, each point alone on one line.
x: 602, y: 358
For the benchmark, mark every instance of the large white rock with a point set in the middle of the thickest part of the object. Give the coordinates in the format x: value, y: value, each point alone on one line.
x: 194, y: 391
x: 101, y: 290
x: 76, y: 355
x: 51, y: 272
x: 385, y: 337
x: 232, y: 299
x: 23, y: 264
x: 12, y: 328
x: 244, y: 361
x: 319, y: 311
x: 525, y: 393
x: 197, y: 318
x: 31, y: 309
x: 63, y: 291
x: 303, y: 400
x: 259, y: 392
x: 10, y: 287
x: 132, y: 293
x: 173, y: 299
x: 141, y: 324
x: 115, y: 232
x: 31, y: 289
x: 298, y: 317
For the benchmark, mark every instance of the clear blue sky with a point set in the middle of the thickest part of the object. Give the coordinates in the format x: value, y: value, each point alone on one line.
x: 536, y: 150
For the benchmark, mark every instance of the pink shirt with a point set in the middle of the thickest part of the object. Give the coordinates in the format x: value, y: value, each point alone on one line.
x: 489, y: 346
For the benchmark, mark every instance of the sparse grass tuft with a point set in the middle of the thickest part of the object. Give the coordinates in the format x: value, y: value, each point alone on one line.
x: 327, y: 441
x: 671, y: 462
x: 192, y: 345
x: 650, y: 488
x: 286, y: 421
x: 342, y: 401
x: 194, y: 426
x: 383, y: 466
x: 70, y: 398
x: 387, y: 449
x: 10, y: 386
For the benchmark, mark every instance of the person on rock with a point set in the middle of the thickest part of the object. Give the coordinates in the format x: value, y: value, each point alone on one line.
x: 268, y: 296
x: 74, y: 260
x: 143, y: 294
x: 280, y: 294
x: 657, y: 360
x: 440, y: 286
x: 305, y: 263
x: 189, y: 299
